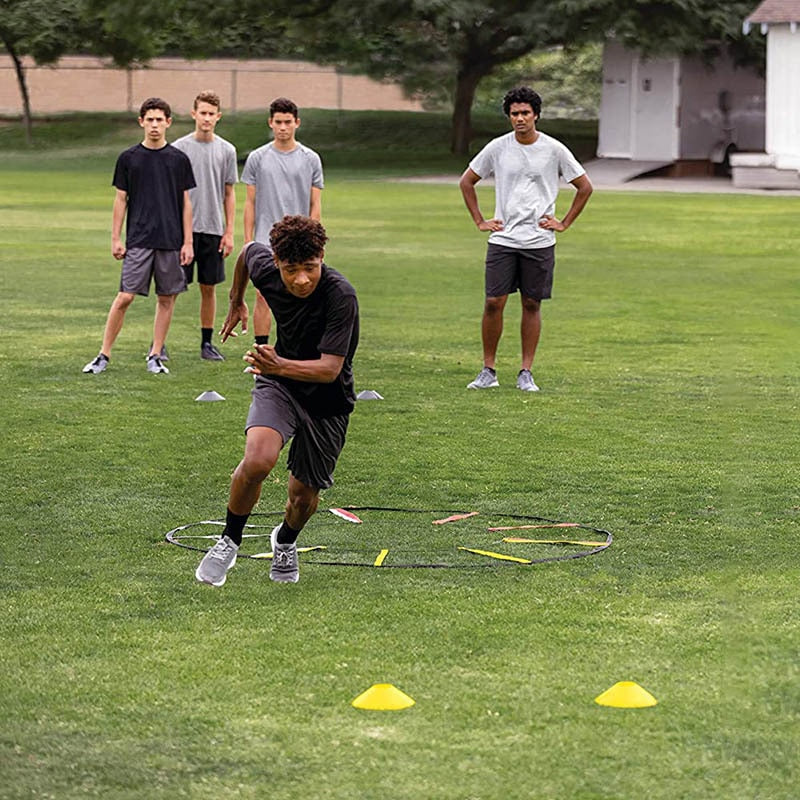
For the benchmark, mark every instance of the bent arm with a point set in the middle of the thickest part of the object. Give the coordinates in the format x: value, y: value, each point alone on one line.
x: 237, y: 308
x: 467, y: 185
x: 584, y: 192
x: 266, y: 361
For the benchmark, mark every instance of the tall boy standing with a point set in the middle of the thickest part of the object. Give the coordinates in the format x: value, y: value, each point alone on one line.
x: 152, y: 180
x: 527, y: 165
x: 214, y: 166
x: 283, y: 177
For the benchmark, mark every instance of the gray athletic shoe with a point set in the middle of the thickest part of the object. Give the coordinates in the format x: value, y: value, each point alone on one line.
x: 210, y: 353
x: 155, y: 366
x: 284, y: 568
x: 98, y: 365
x: 525, y: 381
x: 213, y: 569
x: 487, y: 379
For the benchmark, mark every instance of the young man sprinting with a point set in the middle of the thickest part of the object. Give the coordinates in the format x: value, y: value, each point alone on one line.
x: 527, y: 166
x: 303, y: 392
x: 213, y: 210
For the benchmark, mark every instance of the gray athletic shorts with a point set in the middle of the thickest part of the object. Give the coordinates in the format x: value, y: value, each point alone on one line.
x: 530, y: 271
x: 316, y: 443
x: 141, y: 264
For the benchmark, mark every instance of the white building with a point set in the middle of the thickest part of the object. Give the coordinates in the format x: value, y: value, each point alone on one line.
x: 677, y: 111
x: 776, y: 165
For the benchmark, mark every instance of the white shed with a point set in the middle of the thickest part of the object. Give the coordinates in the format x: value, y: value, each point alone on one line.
x: 776, y: 165
x: 677, y: 111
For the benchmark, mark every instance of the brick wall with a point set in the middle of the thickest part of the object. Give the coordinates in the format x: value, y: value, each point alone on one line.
x: 84, y: 83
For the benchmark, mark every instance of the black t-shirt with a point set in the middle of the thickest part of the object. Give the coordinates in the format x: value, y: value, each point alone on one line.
x: 324, y: 322
x: 155, y: 181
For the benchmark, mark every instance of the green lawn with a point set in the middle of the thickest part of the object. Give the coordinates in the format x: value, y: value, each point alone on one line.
x: 668, y: 415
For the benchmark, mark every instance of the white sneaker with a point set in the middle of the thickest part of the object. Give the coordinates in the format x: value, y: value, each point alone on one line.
x: 155, y: 366
x: 525, y: 381
x: 284, y: 567
x: 487, y: 379
x: 213, y: 569
x: 98, y: 365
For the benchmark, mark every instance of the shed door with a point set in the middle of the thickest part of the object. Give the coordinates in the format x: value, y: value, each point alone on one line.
x: 655, y: 109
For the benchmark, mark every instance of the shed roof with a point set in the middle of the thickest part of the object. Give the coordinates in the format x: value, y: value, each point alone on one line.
x: 776, y: 11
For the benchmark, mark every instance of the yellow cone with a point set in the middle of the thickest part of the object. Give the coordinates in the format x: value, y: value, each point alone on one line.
x: 383, y: 697
x: 626, y: 694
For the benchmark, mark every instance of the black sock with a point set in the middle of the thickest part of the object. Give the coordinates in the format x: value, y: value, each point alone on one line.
x: 234, y: 526
x: 287, y: 534
x: 205, y: 334
x: 262, y: 338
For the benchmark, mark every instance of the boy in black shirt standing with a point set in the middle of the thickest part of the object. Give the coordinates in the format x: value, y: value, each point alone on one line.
x: 152, y: 180
x: 304, y: 387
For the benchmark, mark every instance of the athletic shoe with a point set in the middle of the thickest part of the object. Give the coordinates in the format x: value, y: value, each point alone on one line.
x: 98, y: 365
x: 155, y: 366
x: 213, y: 569
x: 525, y: 381
x: 487, y: 379
x: 210, y: 353
x: 284, y: 567
x: 163, y: 355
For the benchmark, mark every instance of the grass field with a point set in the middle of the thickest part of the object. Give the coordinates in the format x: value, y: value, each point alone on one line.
x: 668, y: 415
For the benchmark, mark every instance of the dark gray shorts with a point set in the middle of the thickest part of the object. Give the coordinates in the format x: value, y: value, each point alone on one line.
x: 316, y: 443
x: 530, y: 271
x: 141, y: 264
x: 209, y: 260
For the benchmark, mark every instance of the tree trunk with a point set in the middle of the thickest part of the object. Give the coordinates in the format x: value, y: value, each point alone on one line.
x: 467, y: 82
x: 23, y: 90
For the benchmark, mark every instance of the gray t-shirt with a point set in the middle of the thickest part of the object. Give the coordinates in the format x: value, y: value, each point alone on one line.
x: 214, y: 165
x: 526, y: 186
x: 283, y: 184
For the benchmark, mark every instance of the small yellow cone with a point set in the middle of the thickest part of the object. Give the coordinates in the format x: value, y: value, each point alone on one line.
x: 383, y: 697
x: 626, y: 694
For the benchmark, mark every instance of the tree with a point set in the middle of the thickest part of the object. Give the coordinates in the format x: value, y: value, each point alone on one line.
x: 41, y: 29
x: 430, y: 44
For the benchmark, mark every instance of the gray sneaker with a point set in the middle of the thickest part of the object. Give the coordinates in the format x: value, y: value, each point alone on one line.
x: 210, y: 353
x: 98, y: 365
x: 213, y: 569
x: 487, y: 379
x: 525, y: 381
x: 155, y: 366
x: 284, y: 568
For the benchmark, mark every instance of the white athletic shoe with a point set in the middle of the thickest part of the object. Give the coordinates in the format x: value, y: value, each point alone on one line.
x: 487, y: 379
x: 525, y: 381
x: 284, y: 568
x: 213, y: 569
x: 98, y: 365
x: 155, y: 366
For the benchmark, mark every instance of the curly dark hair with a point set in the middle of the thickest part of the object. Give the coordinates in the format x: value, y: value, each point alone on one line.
x: 523, y: 94
x: 296, y: 239
x: 283, y: 105
x: 155, y: 104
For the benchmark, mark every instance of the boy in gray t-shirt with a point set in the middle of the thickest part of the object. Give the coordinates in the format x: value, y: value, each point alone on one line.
x: 283, y: 178
x: 213, y: 210
x: 527, y: 166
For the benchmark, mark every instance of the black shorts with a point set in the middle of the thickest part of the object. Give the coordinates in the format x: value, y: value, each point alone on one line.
x: 209, y: 260
x: 530, y: 271
x: 316, y: 443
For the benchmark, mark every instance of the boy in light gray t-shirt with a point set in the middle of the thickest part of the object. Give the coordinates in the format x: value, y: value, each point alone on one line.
x: 213, y: 210
x: 283, y: 182
x: 283, y: 178
x: 527, y: 166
